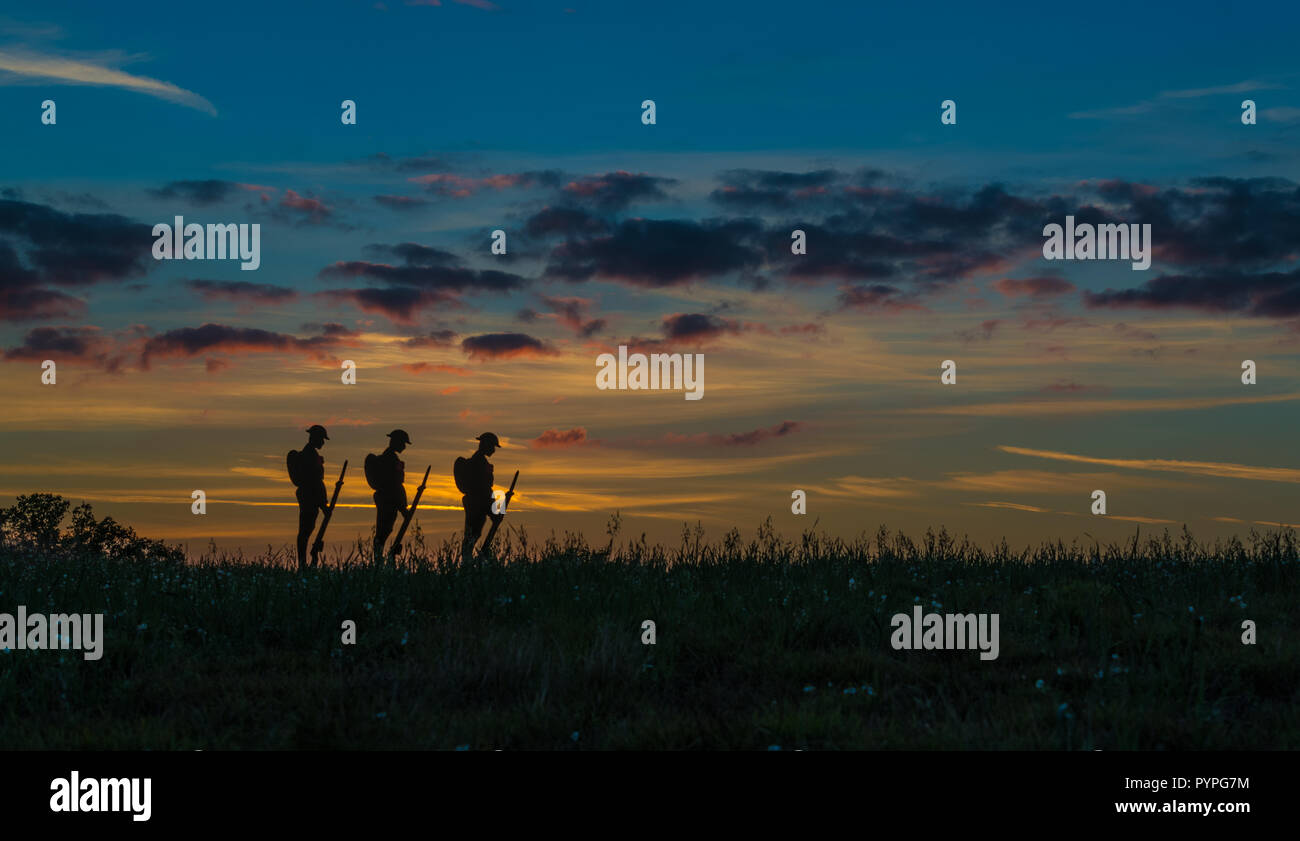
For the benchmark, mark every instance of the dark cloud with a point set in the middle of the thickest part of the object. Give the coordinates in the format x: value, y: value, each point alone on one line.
x: 737, y: 439
x: 614, y: 191
x: 436, y: 338
x: 72, y: 249
x: 564, y: 221
x: 414, y: 254
x: 655, y: 253
x: 400, y: 202
x: 419, y: 278
x: 191, y: 341
x: 83, y: 345
x: 1033, y: 287
x: 1217, y: 221
x: 572, y: 313
x: 696, y: 327
x: 448, y: 280
x: 876, y: 296
x: 751, y: 189
x: 331, y: 328
x: 756, y: 436
x: 205, y: 192
x: 22, y: 300
x: 242, y: 291
x: 1271, y: 294
x: 505, y: 346
x: 399, y: 303
x: 34, y: 304
x: 417, y: 163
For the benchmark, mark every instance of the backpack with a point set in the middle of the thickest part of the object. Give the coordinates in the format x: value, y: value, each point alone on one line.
x: 293, y: 460
x: 373, y: 471
x: 460, y: 472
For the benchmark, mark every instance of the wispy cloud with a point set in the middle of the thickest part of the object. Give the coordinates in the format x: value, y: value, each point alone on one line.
x: 1281, y: 114
x: 24, y: 67
x: 1147, y: 105
x: 1200, y: 468
x: 1014, y: 506
x: 1240, y: 87
x: 1074, y: 407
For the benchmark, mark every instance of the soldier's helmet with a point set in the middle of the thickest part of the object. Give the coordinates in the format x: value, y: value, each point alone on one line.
x: 400, y: 435
x: 317, y: 429
x: 489, y: 438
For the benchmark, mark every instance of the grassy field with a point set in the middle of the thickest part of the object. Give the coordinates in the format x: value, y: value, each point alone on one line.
x: 760, y: 643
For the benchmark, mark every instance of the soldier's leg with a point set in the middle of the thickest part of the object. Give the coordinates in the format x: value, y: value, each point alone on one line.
x: 381, y: 533
x: 306, y: 525
x: 474, y: 518
x: 385, y: 519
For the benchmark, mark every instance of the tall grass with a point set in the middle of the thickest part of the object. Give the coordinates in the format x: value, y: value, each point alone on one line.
x: 760, y: 642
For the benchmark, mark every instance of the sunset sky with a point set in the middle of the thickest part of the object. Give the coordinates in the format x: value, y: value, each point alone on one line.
x: 822, y: 371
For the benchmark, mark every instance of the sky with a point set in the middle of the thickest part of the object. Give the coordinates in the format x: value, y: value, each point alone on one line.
x: 822, y: 370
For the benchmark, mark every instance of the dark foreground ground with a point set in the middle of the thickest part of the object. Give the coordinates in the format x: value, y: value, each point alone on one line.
x: 759, y: 644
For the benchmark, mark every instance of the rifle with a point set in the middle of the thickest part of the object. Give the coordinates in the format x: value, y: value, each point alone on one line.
x: 406, y: 521
x: 329, y: 512
x: 496, y: 522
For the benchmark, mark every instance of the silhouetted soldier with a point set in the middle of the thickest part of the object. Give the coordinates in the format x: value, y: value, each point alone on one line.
x: 475, y: 480
x: 307, y: 471
x: 387, y: 475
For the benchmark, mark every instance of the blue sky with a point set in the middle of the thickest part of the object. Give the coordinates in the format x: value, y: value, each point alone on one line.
x: 924, y: 245
x: 531, y: 77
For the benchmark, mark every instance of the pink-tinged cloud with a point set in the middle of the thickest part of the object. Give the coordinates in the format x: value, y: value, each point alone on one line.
x: 737, y: 439
x: 68, y: 345
x: 876, y: 297
x: 572, y: 313
x: 314, y: 209
x: 462, y: 186
x: 1033, y: 287
x: 614, y: 191
x: 36, y: 304
x: 554, y: 439
x: 429, y: 367
x: 983, y: 333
